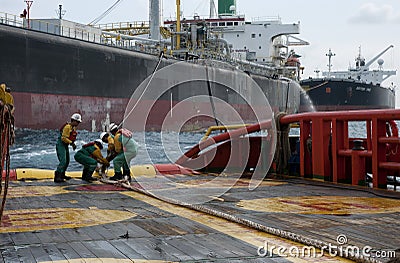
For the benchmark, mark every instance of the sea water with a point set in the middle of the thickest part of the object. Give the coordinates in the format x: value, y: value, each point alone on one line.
x: 37, y: 148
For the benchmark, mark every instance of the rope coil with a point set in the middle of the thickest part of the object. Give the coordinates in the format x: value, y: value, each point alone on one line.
x: 7, y: 139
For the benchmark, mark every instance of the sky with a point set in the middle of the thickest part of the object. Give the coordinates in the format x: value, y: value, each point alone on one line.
x: 342, y: 25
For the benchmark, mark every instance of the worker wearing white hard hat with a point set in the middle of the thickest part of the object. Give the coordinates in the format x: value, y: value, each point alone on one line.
x: 109, y: 139
x: 76, y: 117
x: 67, y: 137
x: 113, y: 128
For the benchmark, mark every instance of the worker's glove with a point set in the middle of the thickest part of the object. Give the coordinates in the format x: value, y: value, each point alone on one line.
x: 73, y: 146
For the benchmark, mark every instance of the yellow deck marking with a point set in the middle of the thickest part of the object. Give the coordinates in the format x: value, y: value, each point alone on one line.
x: 32, y: 191
x: 27, y: 220
x: 14, y: 192
x: 246, y: 234
x: 332, y: 205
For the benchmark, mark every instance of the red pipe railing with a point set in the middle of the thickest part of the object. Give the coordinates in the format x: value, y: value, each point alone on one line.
x: 331, y: 157
x: 327, y: 152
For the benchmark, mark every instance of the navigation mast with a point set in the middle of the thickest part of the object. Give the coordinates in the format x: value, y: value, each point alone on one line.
x: 330, y: 55
x: 28, y: 5
x: 60, y: 12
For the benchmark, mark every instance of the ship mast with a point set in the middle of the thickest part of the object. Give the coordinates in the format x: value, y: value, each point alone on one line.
x: 28, y: 5
x: 60, y: 12
x: 330, y: 55
x: 178, y: 24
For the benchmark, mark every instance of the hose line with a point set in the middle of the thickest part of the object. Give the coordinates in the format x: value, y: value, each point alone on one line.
x: 319, y: 244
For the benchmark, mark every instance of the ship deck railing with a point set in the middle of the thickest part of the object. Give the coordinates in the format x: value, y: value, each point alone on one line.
x: 9, y: 19
x: 74, y: 33
x: 124, y: 25
x: 82, y: 34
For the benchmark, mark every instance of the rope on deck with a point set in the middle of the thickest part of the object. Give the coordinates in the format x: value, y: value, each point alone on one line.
x: 319, y: 244
x: 6, y: 140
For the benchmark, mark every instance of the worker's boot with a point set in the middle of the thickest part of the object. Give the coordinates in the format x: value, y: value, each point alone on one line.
x: 86, y: 176
x: 127, y: 175
x: 117, y: 176
x: 58, y: 177
x: 65, y: 177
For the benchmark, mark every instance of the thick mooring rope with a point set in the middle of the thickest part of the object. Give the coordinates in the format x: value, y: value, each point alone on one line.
x: 7, y: 139
x: 282, y: 152
x: 318, y: 244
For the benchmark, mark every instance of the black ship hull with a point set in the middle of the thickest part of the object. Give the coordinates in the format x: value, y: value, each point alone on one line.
x: 52, y: 76
x: 346, y: 94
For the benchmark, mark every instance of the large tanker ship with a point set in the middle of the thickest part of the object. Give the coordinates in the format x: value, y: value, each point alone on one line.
x: 357, y: 88
x: 56, y: 67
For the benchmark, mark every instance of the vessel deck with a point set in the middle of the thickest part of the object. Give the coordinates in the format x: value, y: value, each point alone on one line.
x: 78, y: 222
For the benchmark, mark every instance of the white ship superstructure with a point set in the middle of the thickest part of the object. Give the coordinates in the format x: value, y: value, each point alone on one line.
x: 362, y: 73
x: 264, y: 40
x: 262, y: 43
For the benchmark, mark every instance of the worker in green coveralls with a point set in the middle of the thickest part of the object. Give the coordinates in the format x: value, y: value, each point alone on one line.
x: 67, y: 137
x: 126, y: 148
x: 89, y: 156
x: 109, y: 139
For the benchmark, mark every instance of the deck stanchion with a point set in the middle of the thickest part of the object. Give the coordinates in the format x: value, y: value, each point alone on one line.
x: 369, y: 134
x: 305, y: 149
x: 338, y: 143
x: 378, y: 153
x: 321, y: 132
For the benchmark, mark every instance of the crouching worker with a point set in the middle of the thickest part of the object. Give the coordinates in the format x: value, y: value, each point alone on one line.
x: 109, y: 139
x: 89, y: 156
x: 126, y: 148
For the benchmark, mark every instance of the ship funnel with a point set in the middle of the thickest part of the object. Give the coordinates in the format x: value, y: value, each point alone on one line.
x: 226, y: 7
x: 154, y: 18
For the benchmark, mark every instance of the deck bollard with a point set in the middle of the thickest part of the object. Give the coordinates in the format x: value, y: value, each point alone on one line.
x: 358, y: 174
x: 358, y: 145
